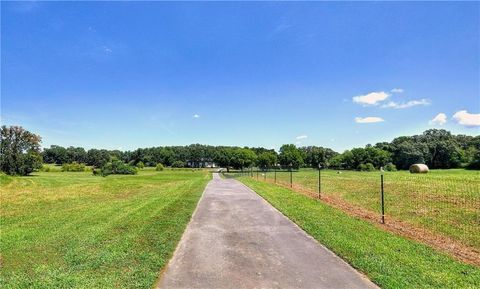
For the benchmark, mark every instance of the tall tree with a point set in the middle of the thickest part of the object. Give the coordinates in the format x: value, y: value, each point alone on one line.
x: 290, y: 156
x: 19, y: 151
x: 266, y: 159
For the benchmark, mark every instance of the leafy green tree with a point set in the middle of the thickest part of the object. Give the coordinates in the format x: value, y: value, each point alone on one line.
x: 76, y: 154
x: 408, y: 153
x: 223, y: 157
x: 475, y: 162
x: 290, y: 156
x: 443, y: 150
x: 314, y: 155
x: 266, y: 159
x: 55, y: 155
x: 19, y: 151
x: 242, y: 158
x: 178, y: 164
x: 97, y: 158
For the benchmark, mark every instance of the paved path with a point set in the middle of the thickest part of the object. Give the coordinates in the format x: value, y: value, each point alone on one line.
x: 237, y: 240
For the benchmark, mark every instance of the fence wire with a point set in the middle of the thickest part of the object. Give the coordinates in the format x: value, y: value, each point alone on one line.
x: 443, y: 202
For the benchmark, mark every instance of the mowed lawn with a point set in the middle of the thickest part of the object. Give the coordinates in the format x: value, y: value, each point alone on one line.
x: 76, y: 230
x: 443, y: 201
x: 389, y: 260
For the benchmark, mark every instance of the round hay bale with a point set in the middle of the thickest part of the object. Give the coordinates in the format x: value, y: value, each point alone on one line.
x: 418, y: 169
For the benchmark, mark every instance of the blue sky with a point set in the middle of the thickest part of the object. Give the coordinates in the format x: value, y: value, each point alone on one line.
x: 127, y: 75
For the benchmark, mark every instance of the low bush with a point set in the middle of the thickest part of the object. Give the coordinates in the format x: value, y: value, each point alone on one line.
x: 390, y: 167
x: 178, y: 164
x: 140, y: 165
x: 159, y: 167
x: 73, y: 167
x: 368, y: 167
x: 44, y: 168
x: 117, y: 167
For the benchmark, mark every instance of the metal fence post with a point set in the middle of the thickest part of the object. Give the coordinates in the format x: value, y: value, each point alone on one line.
x: 291, y: 178
x: 319, y: 180
x: 275, y: 174
x: 383, y: 199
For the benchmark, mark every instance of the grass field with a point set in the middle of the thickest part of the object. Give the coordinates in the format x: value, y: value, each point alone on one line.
x: 443, y: 201
x: 75, y: 230
x: 389, y: 260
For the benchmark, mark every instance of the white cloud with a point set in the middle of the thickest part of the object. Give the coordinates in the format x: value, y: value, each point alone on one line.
x: 368, y: 119
x: 439, y: 119
x: 196, y: 116
x: 467, y: 119
x: 397, y: 90
x: 25, y: 6
x: 373, y: 98
x: 282, y: 27
x: 303, y: 136
x: 396, y: 105
x: 106, y: 49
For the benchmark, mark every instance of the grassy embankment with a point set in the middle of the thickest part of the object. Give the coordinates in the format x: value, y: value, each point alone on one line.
x: 75, y: 230
x: 389, y: 260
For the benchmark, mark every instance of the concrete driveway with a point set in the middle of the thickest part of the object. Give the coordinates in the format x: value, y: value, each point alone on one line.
x: 237, y: 240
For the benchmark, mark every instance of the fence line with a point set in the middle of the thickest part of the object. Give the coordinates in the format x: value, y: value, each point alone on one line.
x: 442, y: 203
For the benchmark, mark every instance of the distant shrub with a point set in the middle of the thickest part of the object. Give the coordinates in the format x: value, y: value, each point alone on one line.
x: 178, y: 164
x: 475, y: 163
x: 117, y: 167
x: 368, y: 167
x: 140, y: 165
x: 159, y: 167
x: 390, y: 167
x: 44, y: 168
x: 73, y: 167
x: 50, y: 168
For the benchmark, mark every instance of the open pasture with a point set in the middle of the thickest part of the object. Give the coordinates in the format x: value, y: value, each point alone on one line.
x: 68, y: 229
x: 443, y: 201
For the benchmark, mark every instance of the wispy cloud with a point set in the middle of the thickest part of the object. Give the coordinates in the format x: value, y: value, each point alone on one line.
x: 397, y: 90
x: 368, y: 119
x: 282, y: 27
x: 467, y: 119
x: 411, y: 103
x: 303, y: 136
x: 196, y: 116
x: 25, y: 6
x: 107, y: 49
x: 372, y: 98
x: 439, y: 119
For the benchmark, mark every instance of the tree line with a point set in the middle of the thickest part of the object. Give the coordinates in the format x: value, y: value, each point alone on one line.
x: 439, y: 149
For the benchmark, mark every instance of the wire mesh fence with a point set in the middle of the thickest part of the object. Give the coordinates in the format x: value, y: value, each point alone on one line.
x: 444, y: 202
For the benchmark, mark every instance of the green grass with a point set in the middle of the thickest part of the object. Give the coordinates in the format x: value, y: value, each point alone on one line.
x: 75, y: 230
x: 443, y: 201
x: 387, y: 259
